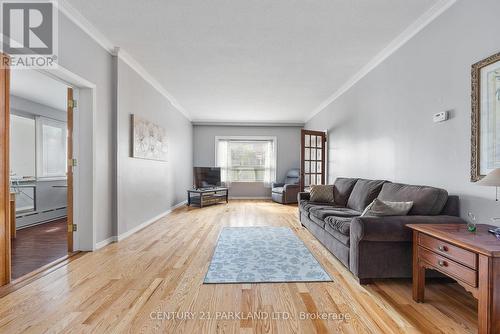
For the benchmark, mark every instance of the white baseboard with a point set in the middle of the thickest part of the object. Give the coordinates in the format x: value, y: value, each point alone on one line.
x: 138, y: 227
x: 178, y: 205
x: 250, y: 197
x: 106, y: 242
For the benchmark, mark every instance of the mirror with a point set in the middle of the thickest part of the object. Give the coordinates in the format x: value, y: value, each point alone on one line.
x: 485, y: 141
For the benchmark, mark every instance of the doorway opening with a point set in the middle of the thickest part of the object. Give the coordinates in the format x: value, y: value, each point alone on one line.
x: 40, y: 142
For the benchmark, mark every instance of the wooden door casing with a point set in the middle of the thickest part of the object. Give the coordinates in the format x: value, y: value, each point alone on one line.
x: 4, y: 172
x: 69, y: 174
x: 312, y: 158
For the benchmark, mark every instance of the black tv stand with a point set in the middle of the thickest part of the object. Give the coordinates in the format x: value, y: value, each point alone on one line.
x: 207, y: 196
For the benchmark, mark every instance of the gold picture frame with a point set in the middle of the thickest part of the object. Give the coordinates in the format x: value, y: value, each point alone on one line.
x: 478, y: 98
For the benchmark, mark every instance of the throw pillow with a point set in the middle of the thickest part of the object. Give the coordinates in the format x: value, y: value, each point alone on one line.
x: 379, y: 208
x: 321, y: 193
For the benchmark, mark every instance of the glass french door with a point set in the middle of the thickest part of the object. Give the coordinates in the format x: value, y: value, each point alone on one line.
x: 312, y: 158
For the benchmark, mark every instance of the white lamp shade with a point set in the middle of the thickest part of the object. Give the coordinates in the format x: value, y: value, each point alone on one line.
x: 492, y: 179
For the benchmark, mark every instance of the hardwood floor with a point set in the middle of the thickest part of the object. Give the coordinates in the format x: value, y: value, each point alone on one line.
x: 134, y: 285
x: 37, y: 246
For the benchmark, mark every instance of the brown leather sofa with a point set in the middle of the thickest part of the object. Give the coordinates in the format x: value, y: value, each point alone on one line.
x: 374, y: 247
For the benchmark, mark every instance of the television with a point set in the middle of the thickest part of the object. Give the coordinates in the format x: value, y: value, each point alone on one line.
x: 206, y: 177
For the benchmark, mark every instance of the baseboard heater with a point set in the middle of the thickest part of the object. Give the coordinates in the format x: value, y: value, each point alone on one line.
x: 29, y: 219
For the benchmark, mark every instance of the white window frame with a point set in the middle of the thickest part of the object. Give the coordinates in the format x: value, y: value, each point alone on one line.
x: 274, y: 139
x: 39, y: 122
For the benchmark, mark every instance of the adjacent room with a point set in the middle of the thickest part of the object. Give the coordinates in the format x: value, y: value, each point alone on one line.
x: 38, y: 158
x: 269, y: 166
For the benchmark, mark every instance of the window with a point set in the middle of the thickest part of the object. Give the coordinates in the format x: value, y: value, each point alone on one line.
x: 246, y: 159
x: 51, y: 148
x: 22, y: 147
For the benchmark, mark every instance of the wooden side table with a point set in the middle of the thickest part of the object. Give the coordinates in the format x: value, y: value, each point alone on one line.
x: 471, y: 258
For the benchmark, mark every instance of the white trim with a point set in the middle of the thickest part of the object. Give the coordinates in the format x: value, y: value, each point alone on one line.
x: 178, y: 205
x: 274, y: 139
x: 248, y: 123
x: 250, y: 197
x: 425, y: 19
x: 74, y: 15
x: 79, y: 20
x: 138, y: 227
x: 249, y: 138
x: 106, y: 242
x: 78, y: 83
x: 130, y: 61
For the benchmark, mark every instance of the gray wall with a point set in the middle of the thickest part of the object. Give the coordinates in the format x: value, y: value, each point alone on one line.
x: 147, y: 188
x: 382, y: 127
x: 288, y: 151
x: 81, y: 55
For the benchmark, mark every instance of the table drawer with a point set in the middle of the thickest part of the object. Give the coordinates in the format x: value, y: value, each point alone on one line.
x: 448, y: 250
x: 448, y: 267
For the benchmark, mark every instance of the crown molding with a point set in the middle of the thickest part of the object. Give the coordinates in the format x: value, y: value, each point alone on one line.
x: 248, y: 123
x: 430, y: 15
x: 130, y: 61
x: 79, y: 20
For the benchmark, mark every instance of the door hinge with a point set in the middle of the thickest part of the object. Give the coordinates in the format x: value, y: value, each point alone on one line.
x: 73, y: 162
x: 72, y: 228
x: 72, y: 103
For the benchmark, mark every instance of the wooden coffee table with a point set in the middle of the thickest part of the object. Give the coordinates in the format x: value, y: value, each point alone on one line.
x: 471, y: 258
x: 207, y: 196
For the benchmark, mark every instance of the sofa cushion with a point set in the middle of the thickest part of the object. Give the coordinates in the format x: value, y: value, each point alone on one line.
x: 363, y: 193
x: 278, y: 190
x: 338, y: 227
x: 379, y: 208
x: 339, y: 224
x: 342, y: 189
x: 308, y: 205
x: 322, y: 213
x: 317, y: 221
x: 322, y: 193
x: 426, y: 200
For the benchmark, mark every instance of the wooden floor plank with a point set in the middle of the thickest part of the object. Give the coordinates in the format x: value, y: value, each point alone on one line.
x: 153, y: 282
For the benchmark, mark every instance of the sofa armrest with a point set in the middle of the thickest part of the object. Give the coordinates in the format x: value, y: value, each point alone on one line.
x: 291, y: 187
x: 277, y: 184
x: 290, y: 192
x: 303, y: 196
x: 392, y: 228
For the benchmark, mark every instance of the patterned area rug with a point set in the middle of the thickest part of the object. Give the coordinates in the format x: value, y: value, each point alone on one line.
x: 263, y: 255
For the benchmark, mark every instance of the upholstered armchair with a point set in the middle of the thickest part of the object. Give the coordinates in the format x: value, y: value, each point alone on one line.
x: 286, y: 192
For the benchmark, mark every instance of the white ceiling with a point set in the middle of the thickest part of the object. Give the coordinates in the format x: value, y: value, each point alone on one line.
x: 40, y: 88
x: 252, y: 60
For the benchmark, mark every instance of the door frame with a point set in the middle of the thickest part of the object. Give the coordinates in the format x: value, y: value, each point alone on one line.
x: 5, y: 253
x: 83, y: 190
x: 69, y: 173
x: 322, y: 134
x: 84, y: 151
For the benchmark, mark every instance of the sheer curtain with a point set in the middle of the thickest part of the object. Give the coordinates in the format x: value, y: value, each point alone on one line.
x: 223, y: 149
x: 270, y: 164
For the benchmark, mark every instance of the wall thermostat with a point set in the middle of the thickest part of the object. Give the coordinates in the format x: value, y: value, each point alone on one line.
x: 440, y: 117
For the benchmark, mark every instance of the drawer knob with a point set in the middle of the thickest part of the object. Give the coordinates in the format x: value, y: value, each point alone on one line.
x: 442, y: 263
x: 442, y: 248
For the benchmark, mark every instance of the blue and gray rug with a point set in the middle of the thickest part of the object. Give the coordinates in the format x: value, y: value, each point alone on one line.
x: 262, y: 254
